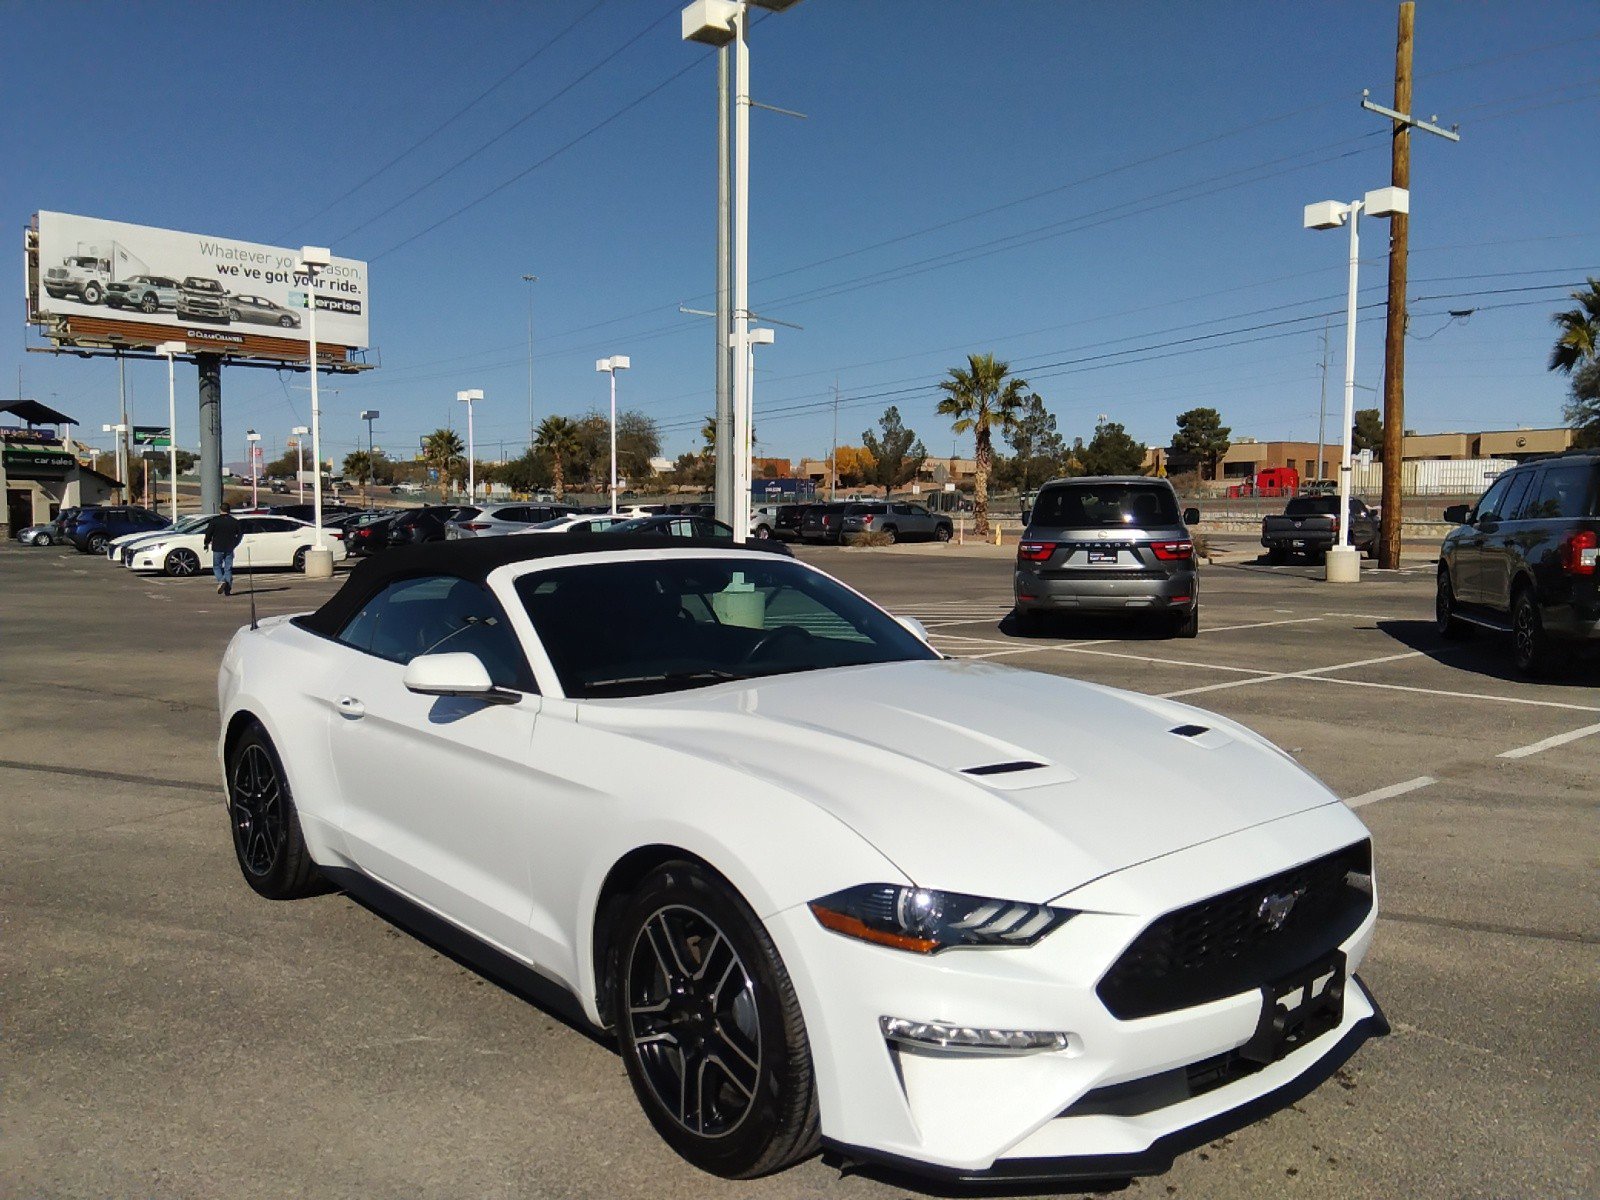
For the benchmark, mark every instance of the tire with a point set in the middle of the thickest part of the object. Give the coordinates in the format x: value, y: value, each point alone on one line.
x: 233, y: 315
x: 149, y: 304
x: 1449, y: 626
x: 1370, y: 550
x: 680, y: 928
x: 300, y: 559
x: 1530, y: 645
x: 267, y: 840
x: 181, y: 563
x: 1277, y: 555
x: 1030, y: 622
x: 286, y: 322
x: 943, y: 533
x: 762, y: 533
x: 893, y: 534
x: 98, y: 542
x: 1188, y: 625
x: 43, y: 539
x: 92, y: 294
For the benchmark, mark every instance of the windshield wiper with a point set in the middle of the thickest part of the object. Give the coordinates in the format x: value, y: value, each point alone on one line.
x: 643, y: 684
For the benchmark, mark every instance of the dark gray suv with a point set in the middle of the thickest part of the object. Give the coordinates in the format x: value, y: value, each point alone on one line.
x: 1527, y: 559
x: 1108, y: 544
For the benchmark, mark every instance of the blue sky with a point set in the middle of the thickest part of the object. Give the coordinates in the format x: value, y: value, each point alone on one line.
x: 1057, y: 183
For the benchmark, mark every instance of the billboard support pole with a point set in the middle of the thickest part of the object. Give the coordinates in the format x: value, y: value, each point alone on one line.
x: 210, y: 371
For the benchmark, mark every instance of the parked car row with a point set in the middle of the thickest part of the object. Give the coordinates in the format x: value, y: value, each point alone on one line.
x: 846, y: 521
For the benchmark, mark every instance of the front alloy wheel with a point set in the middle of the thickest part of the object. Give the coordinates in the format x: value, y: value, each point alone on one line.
x: 710, y: 1028
x: 1445, y: 621
x: 182, y: 563
x: 267, y: 841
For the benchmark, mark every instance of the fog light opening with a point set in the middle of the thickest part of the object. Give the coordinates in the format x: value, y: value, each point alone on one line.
x: 975, y: 1039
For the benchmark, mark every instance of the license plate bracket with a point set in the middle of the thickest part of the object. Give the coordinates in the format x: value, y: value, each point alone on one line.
x: 1100, y: 558
x: 1297, y: 1009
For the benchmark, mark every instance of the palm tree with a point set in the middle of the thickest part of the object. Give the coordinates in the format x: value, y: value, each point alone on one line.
x: 558, y: 440
x: 441, y: 450
x: 358, y: 466
x: 982, y: 399
x: 1579, y: 342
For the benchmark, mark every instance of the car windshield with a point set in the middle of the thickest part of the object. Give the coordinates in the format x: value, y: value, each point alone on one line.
x: 644, y: 627
x: 1106, y: 506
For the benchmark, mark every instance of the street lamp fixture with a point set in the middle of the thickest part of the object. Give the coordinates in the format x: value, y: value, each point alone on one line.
x: 314, y: 260
x: 171, y: 350
x: 617, y: 362
x: 1343, y: 565
x: 121, y: 468
x: 467, y: 398
x: 298, y: 432
x: 252, y: 455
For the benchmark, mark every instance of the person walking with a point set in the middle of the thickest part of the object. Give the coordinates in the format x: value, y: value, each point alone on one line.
x: 223, y: 535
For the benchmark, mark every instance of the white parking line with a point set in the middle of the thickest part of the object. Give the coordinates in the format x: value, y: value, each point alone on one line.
x: 1390, y: 792
x: 1401, y: 687
x: 1560, y: 739
x: 1257, y: 625
x: 1311, y: 673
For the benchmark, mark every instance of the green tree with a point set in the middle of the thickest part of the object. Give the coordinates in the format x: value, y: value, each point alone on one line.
x: 1111, y: 452
x: 1367, y: 433
x: 442, y: 451
x: 358, y: 466
x: 186, y: 463
x: 559, y: 442
x: 1582, y: 410
x: 1201, y: 440
x: 528, y: 472
x: 1038, y: 451
x: 282, y: 467
x: 638, y: 441
x: 897, y: 456
x: 1579, y: 340
x: 982, y: 397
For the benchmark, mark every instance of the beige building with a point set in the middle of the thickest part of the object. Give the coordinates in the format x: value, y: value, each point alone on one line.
x: 39, y: 470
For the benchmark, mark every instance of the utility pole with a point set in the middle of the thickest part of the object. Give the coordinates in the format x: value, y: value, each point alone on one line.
x: 833, y: 462
x: 530, y: 280
x: 722, y: 438
x: 1322, y: 406
x: 1394, y: 344
x: 124, y: 435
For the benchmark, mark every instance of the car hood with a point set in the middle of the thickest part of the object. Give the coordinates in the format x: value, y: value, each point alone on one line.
x: 890, y: 751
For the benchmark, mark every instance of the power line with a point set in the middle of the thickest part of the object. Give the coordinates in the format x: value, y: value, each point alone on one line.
x: 446, y: 123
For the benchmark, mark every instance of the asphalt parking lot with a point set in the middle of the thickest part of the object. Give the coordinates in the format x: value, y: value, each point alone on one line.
x: 167, y: 1033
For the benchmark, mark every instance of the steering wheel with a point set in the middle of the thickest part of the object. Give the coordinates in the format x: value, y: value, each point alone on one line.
x: 770, y: 639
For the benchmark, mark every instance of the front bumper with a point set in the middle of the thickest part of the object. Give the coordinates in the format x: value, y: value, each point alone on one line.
x: 967, y: 1115
x: 1088, y: 590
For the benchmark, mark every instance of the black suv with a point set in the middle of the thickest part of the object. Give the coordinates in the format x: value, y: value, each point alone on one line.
x: 1527, y: 559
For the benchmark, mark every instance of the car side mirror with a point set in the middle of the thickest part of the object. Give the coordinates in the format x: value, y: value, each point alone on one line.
x: 914, y: 627
x: 455, y: 674
x: 1191, y: 516
x: 1456, y: 514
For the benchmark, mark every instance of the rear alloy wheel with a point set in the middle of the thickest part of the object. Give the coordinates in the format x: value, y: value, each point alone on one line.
x: 762, y: 533
x: 300, y: 559
x: 1187, y: 625
x: 98, y: 543
x: 43, y: 539
x: 942, y: 534
x: 1529, y: 643
x: 149, y: 304
x: 267, y: 841
x: 710, y: 1028
x: 1445, y: 621
x: 1277, y: 555
x: 182, y: 563
x: 893, y: 534
x: 286, y: 321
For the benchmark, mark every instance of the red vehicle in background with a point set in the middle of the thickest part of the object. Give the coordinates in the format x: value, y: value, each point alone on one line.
x: 1274, y: 481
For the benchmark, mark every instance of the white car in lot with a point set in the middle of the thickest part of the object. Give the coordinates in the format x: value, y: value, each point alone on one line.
x: 825, y: 887
x: 268, y: 541
x: 578, y: 523
x: 121, y: 550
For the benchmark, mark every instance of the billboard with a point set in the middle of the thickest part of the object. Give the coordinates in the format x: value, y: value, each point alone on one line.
x: 106, y: 281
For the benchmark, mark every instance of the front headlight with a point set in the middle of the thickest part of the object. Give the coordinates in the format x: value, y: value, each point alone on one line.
x: 926, y: 922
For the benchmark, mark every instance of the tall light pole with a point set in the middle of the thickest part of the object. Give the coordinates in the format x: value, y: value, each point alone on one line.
x: 617, y: 362
x: 467, y: 397
x: 252, y: 439
x: 1343, y: 565
x: 299, y: 432
x: 122, y: 475
x: 369, y: 415
x: 172, y: 350
x: 530, y: 280
x: 746, y: 449
x: 313, y: 261
x: 725, y: 23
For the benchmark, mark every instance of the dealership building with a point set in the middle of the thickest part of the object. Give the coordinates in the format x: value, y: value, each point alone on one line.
x: 39, y: 470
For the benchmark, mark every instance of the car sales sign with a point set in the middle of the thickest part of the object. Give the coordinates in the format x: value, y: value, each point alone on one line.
x: 193, y: 287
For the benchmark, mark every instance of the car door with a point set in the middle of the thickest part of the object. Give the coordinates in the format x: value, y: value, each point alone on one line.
x: 1500, y: 552
x: 435, y: 789
x: 1466, y: 567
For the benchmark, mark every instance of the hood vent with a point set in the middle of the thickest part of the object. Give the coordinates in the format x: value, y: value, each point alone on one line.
x: 1189, y: 731
x: 1003, y: 768
x: 1203, y: 736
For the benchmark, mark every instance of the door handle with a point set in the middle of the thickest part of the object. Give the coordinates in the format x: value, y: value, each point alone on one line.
x: 349, y: 706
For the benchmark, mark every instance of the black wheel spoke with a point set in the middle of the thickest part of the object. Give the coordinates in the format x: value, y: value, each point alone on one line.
x: 258, y: 814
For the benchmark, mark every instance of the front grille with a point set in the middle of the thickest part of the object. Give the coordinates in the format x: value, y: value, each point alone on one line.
x: 1225, y: 945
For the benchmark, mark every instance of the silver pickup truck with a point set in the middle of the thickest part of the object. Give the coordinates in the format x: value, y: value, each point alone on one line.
x: 1310, y: 526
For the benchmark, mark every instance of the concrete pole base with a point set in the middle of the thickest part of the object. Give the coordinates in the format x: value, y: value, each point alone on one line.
x: 319, y: 563
x: 1343, y: 565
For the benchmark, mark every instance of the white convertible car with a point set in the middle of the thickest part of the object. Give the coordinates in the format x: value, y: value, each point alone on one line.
x: 825, y: 887
x: 268, y: 541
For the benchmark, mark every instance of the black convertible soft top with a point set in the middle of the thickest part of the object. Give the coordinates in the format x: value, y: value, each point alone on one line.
x: 475, y: 558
